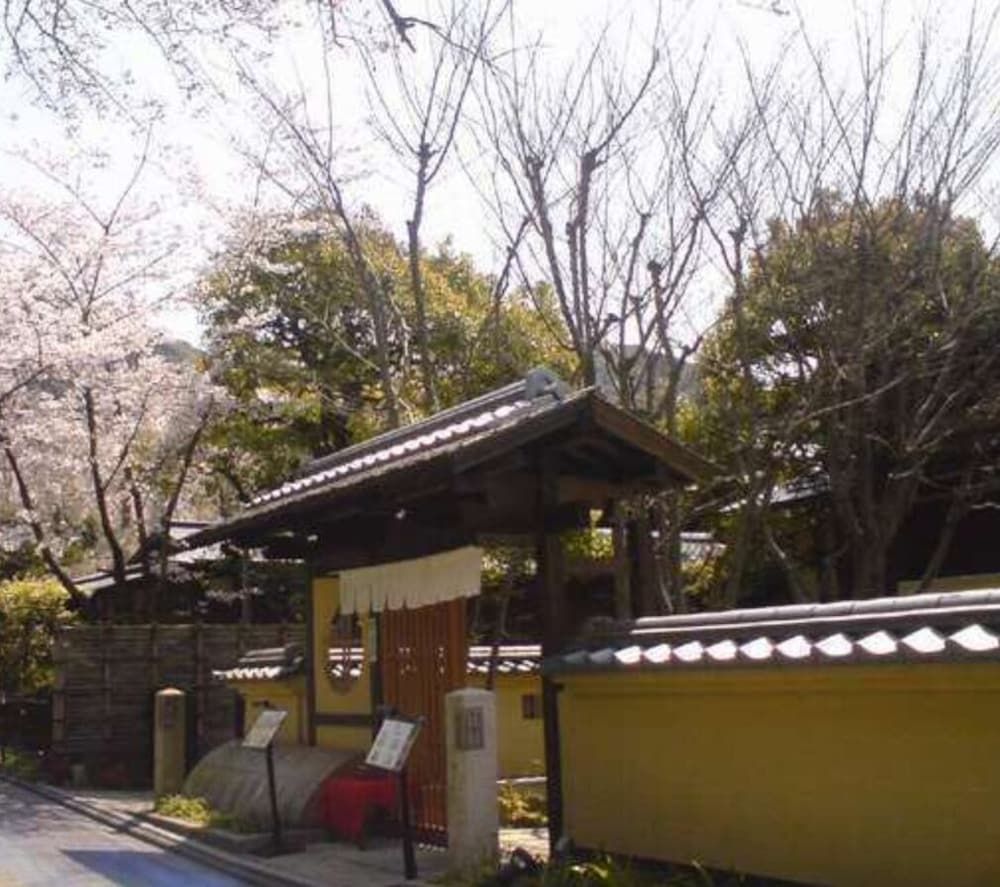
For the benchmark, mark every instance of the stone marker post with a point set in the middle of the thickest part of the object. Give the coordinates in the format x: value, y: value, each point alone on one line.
x: 473, y: 818
x: 169, y: 742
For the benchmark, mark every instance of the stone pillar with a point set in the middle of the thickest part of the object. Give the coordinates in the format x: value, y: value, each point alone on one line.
x: 473, y: 818
x: 169, y: 742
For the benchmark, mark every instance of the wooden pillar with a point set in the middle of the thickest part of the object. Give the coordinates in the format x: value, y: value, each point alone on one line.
x: 552, y: 610
x: 623, y: 585
x: 310, y: 661
x: 373, y: 652
x: 646, y: 596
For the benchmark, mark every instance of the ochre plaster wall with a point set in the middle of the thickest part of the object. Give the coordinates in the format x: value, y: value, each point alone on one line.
x: 860, y: 775
x: 520, y: 740
x: 288, y: 695
x: 357, y: 700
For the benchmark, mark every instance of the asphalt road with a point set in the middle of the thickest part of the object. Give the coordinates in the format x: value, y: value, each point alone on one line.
x: 44, y: 843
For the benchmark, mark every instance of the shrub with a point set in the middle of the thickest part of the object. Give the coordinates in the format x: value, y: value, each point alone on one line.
x: 197, y: 811
x: 520, y: 808
x: 31, y: 613
x: 23, y: 765
x: 604, y: 871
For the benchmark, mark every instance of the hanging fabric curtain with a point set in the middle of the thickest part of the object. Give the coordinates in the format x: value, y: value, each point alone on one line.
x: 413, y: 583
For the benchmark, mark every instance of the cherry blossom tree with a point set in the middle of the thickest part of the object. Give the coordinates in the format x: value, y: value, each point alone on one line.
x: 96, y: 423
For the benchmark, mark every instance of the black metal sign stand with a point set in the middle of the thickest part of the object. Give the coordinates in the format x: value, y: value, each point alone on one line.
x: 389, y: 751
x: 273, y: 791
x: 409, y: 856
x: 261, y: 737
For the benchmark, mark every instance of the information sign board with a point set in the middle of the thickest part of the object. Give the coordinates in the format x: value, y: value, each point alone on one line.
x: 392, y: 745
x: 265, y: 728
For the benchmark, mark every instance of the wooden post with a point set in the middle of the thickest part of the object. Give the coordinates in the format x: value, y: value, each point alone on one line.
x: 374, y: 666
x: 623, y: 587
x: 645, y: 589
x: 552, y: 606
x: 409, y: 856
x: 311, y: 663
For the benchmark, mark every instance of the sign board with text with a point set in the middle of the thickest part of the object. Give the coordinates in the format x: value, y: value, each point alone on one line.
x: 265, y: 728
x: 393, y: 743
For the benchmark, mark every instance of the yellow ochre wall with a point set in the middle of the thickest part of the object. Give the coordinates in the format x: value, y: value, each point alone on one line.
x: 288, y: 694
x: 520, y: 741
x: 858, y: 775
x: 326, y: 600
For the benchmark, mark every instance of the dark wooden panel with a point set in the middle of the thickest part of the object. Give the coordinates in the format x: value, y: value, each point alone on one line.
x: 423, y: 658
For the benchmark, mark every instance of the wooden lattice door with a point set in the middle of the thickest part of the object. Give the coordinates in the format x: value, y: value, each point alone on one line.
x: 423, y: 657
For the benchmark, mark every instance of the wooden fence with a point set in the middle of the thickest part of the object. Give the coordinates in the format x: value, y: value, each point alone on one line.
x: 106, y: 676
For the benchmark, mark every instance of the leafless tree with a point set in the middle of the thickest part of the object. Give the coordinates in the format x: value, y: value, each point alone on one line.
x: 881, y: 410
x: 418, y: 110
x: 606, y: 173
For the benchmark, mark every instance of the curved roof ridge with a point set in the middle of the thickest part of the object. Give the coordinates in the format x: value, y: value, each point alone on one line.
x: 860, y: 607
x: 537, y: 384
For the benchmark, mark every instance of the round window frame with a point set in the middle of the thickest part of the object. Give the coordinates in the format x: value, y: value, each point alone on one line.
x: 345, y: 633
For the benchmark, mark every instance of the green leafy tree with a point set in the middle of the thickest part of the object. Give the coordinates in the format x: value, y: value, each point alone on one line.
x: 857, y: 357
x: 31, y: 613
x: 290, y: 336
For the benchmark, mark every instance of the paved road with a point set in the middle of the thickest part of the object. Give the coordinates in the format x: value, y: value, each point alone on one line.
x: 44, y: 843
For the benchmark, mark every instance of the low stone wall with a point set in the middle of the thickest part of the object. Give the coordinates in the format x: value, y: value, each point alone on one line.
x: 107, y: 675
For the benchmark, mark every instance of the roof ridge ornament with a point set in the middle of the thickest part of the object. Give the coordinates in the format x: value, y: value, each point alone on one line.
x: 542, y: 381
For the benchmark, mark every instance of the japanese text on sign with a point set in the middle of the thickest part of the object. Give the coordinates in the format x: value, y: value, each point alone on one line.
x: 392, y: 745
x: 265, y: 728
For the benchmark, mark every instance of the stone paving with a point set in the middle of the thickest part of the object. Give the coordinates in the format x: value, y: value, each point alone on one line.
x: 332, y: 864
x: 43, y: 843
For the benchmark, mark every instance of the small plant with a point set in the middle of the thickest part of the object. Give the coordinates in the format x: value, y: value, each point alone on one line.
x: 520, y: 808
x: 604, y: 871
x: 198, y: 811
x: 23, y: 765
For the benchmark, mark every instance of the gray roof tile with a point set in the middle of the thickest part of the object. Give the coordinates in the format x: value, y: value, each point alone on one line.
x: 924, y: 628
x: 274, y: 663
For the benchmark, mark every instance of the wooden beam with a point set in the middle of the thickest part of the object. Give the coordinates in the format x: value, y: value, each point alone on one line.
x: 597, y: 491
x: 408, y: 540
x: 310, y: 661
x: 345, y: 719
x: 684, y: 464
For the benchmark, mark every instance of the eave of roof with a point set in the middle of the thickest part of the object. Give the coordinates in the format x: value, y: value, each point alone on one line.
x: 959, y: 626
x: 455, y: 441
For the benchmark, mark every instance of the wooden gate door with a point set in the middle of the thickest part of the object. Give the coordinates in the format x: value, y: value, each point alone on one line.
x: 423, y: 657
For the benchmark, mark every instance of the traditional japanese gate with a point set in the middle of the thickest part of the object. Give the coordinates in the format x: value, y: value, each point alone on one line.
x: 528, y: 460
x: 423, y: 656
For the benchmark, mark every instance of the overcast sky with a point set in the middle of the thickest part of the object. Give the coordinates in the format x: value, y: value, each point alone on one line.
x: 199, y: 178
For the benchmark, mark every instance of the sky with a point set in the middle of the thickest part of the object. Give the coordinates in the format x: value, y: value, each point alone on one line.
x: 198, y: 174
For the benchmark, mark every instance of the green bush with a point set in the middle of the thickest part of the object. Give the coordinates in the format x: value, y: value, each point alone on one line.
x: 31, y: 613
x: 22, y: 765
x: 520, y: 808
x: 198, y: 811
x: 604, y: 871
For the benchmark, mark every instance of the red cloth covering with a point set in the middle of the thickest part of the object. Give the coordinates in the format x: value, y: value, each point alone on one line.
x: 350, y: 798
